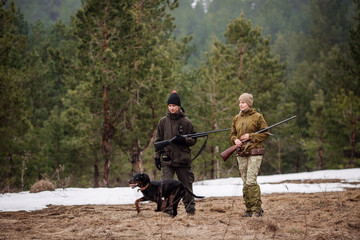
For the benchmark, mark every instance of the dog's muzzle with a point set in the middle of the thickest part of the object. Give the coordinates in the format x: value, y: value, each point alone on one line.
x: 132, y: 184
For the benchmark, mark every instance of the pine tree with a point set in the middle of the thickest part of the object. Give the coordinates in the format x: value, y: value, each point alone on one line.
x: 355, y: 51
x: 317, y: 131
x: 128, y: 57
x: 345, y: 115
x: 244, y: 64
x: 253, y: 64
x: 14, y: 112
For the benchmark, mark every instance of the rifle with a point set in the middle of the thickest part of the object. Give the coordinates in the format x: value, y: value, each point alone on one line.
x: 227, y: 153
x: 161, y: 144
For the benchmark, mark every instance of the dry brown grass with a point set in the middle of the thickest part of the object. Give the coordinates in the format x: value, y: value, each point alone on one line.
x: 320, y: 216
x: 42, y: 185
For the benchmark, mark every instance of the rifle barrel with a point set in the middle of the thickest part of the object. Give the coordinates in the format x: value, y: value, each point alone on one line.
x: 161, y: 144
x: 276, y: 124
x: 202, y: 134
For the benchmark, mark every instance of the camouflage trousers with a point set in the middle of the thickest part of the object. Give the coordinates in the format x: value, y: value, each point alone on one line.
x: 186, y: 176
x: 249, y: 168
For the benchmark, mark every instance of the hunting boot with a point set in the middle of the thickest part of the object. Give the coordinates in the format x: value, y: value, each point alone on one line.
x: 248, y: 212
x: 255, y: 200
x: 189, y: 206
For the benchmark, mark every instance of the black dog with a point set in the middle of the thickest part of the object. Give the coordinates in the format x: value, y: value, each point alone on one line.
x: 172, y: 191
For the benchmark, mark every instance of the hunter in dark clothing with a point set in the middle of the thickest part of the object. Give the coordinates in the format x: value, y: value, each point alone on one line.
x: 176, y: 157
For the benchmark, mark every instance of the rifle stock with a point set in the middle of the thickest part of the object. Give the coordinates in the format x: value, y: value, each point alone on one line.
x: 227, y: 153
x: 161, y: 144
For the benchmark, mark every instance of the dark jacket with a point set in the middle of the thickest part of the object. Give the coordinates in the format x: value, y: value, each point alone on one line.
x: 168, y: 127
x: 249, y: 122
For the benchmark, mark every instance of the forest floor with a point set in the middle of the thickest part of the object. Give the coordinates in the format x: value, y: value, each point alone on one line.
x: 321, y: 216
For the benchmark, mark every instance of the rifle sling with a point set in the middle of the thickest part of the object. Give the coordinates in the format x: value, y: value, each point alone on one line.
x: 202, y: 148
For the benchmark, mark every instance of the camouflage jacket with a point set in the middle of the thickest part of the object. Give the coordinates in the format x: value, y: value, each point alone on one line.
x: 249, y: 122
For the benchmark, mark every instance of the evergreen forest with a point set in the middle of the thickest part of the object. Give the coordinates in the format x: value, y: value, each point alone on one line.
x: 85, y: 82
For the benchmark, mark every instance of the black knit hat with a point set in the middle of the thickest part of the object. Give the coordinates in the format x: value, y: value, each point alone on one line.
x: 174, y: 98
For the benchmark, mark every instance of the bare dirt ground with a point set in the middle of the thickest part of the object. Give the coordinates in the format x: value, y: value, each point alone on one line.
x: 321, y: 216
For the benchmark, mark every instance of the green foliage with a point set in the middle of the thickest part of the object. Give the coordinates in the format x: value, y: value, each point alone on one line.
x: 346, y: 114
x: 295, y: 57
x: 244, y: 64
x: 127, y: 54
x: 330, y: 25
x: 14, y: 112
x: 314, y: 145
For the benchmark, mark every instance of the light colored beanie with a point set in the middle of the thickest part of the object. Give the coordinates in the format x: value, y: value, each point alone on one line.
x: 247, y: 97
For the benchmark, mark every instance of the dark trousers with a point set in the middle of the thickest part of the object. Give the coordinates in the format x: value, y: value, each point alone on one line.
x: 186, y: 176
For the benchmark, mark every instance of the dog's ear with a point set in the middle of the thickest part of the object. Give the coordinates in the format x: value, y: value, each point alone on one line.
x: 137, y: 175
x: 146, y: 178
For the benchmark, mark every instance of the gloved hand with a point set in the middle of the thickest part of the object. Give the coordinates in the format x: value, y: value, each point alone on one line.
x: 180, y: 140
x: 157, y: 163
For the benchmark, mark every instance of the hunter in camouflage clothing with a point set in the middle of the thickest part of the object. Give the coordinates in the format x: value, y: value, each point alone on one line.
x: 250, y: 151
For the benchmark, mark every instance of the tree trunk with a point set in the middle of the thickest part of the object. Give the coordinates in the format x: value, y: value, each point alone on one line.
x: 106, y: 170
x: 134, y: 158
x: 137, y: 161
x: 353, y: 134
x: 107, y: 126
x: 11, y: 167
x: 140, y: 162
x: 57, y: 152
x: 241, y: 50
x: 212, y: 168
x: 96, y: 176
x: 320, y: 157
x: 213, y: 123
x: 279, y: 161
x: 321, y: 151
x: 25, y: 159
x: 137, y: 152
x: 205, y: 167
x: 278, y: 143
x: 297, y: 165
x: 106, y: 140
x: 218, y: 163
x: 138, y: 8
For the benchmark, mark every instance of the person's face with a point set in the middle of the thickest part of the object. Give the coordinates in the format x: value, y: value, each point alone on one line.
x: 173, y: 108
x: 243, y: 106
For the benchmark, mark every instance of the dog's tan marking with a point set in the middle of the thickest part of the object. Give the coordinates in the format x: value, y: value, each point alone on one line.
x: 143, y: 188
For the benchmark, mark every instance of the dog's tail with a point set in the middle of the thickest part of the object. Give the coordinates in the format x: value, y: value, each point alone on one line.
x: 192, y: 194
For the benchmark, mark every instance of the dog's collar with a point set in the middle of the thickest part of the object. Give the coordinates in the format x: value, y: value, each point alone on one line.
x: 142, y: 189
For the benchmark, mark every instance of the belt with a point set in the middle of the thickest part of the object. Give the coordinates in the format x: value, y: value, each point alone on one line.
x: 254, y: 152
x: 244, y: 154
